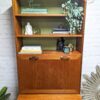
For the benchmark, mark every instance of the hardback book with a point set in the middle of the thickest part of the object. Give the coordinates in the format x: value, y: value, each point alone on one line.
x: 34, y: 10
x: 59, y: 29
x: 60, y: 32
x: 31, y: 50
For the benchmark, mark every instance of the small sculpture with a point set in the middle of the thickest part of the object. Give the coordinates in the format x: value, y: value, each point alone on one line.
x: 71, y: 47
x: 60, y: 44
x: 66, y: 49
x: 28, y: 29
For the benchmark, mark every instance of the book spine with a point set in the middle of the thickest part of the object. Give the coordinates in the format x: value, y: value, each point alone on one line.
x: 56, y: 29
x: 61, y: 32
x: 33, y: 10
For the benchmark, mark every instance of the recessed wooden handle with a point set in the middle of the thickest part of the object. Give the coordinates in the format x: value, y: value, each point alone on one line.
x: 64, y: 58
x: 33, y: 58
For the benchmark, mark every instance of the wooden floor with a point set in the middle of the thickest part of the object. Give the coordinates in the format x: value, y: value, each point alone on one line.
x: 50, y: 97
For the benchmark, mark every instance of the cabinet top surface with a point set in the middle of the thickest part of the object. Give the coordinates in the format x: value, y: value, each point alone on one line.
x: 50, y: 97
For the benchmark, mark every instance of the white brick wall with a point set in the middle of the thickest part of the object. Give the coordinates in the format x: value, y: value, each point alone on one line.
x: 91, y: 55
x: 8, y: 69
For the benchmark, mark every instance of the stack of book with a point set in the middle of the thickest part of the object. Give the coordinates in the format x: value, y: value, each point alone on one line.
x: 34, y: 10
x: 31, y: 50
x: 60, y: 31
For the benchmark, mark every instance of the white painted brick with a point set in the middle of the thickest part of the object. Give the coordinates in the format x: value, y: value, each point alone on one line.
x: 7, y: 47
x: 5, y: 17
x: 8, y: 69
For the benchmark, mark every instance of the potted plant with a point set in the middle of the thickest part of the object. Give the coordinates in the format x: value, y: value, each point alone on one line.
x: 74, y: 15
x: 3, y: 94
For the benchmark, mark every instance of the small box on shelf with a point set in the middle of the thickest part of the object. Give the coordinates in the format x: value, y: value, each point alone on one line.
x: 31, y: 50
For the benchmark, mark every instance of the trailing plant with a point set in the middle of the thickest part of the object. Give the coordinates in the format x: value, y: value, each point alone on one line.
x: 74, y: 15
x: 3, y: 94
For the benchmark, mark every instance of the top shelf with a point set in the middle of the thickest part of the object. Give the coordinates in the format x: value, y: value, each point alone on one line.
x: 40, y: 15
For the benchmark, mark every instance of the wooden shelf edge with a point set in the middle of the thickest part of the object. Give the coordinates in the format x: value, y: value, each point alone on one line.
x: 51, y: 91
x: 49, y: 97
x: 52, y: 55
x: 50, y: 35
x: 39, y: 15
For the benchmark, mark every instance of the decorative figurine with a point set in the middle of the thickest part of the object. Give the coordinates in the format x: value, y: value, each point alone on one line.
x: 60, y: 44
x: 66, y: 49
x: 28, y: 29
x: 71, y: 47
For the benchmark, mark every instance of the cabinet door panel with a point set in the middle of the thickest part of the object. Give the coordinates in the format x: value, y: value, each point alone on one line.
x: 74, y: 74
x: 25, y: 73
x: 48, y: 74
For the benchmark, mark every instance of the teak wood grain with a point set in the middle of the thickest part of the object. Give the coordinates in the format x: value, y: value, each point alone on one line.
x: 49, y: 73
x: 43, y: 74
x: 52, y: 55
x: 40, y: 15
x: 50, y: 97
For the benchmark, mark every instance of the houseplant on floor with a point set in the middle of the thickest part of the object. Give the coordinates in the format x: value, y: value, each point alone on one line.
x: 3, y: 94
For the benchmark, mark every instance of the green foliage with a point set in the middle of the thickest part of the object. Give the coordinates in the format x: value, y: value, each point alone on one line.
x: 74, y: 15
x: 3, y: 94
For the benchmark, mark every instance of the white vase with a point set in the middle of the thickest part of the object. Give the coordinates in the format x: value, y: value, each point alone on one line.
x: 28, y: 29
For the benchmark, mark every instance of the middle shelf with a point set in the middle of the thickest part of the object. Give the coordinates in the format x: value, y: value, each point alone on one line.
x: 44, y: 27
x: 49, y: 35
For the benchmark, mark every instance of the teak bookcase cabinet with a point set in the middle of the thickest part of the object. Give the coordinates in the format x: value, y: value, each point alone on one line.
x: 51, y: 72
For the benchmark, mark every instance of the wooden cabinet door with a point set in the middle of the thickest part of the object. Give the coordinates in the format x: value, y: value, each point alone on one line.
x: 25, y: 73
x: 75, y: 74
x: 48, y: 75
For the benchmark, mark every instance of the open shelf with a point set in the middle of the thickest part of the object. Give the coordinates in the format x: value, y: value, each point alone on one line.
x: 50, y: 35
x: 53, y: 55
x: 40, y: 15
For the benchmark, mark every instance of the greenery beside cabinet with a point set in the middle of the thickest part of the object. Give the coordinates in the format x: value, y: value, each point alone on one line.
x: 3, y: 94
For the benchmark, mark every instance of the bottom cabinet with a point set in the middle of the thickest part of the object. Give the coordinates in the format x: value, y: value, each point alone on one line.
x: 49, y: 76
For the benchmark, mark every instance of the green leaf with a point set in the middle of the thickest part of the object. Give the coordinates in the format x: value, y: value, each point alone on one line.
x: 5, y: 97
x: 74, y: 14
x: 3, y: 91
x: 80, y: 9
